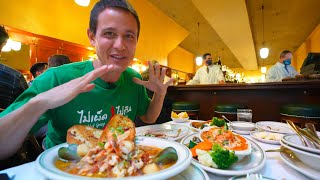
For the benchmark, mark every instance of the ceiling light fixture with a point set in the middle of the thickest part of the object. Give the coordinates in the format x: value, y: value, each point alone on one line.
x: 264, y: 52
x: 198, y: 59
x: 82, y: 2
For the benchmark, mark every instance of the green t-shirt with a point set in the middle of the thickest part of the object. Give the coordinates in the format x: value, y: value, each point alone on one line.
x: 92, y: 108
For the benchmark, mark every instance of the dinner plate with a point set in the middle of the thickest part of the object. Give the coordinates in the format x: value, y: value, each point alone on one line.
x: 276, y: 127
x: 298, y: 165
x: 165, y: 131
x: 45, y: 162
x: 268, y: 141
x: 294, y: 141
x: 193, y: 172
x: 249, y: 164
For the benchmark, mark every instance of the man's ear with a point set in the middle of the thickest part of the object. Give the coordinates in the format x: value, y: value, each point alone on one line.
x: 91, y: 37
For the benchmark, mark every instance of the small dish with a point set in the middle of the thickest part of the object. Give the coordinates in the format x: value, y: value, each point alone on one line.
x: 276, y: 127
x: 310, y: 159
x: 260, y: 137
x: 242, y: 125
x: 250, y: 176
x: 193, y: 172
x: 196, y: 124
x: 244, y: 132
x: 179, y: 120
x: 165, y: 131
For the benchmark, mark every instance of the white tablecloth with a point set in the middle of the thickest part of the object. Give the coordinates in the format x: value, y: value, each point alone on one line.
x: 274, y: 168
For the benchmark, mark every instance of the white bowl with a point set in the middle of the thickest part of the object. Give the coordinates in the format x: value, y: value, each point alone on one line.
x: 241, y: 154
x: 310, y: 159
x: 180, y: 120
x: 45, y: 162
x: 242, y: 126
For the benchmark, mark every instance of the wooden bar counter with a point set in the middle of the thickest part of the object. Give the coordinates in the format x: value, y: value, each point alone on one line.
x: 265, y: 99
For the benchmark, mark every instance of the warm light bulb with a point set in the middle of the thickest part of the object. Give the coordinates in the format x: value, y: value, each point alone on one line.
x: 83, y: 2
x: 264, y: 52
x: 16, y: 46
x: 199, y: 61
x: 143, y: 68
x: 263, y: 70
x: 6, y: 48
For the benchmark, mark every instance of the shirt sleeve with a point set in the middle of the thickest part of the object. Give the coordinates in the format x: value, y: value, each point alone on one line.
x: 220, y: 76
x: 195, y: 79
x: 36, y: 88
x: 272, y: 76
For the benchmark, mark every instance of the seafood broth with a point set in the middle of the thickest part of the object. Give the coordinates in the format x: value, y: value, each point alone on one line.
x: 148, y: 153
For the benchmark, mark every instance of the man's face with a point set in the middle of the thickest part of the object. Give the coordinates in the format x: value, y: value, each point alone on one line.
x: 286, y: 56
x: 208, y: 60
x: 116, y: 38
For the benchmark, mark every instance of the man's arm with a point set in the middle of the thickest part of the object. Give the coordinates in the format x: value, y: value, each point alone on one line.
x: 196, y: 79
x: 15, y: 126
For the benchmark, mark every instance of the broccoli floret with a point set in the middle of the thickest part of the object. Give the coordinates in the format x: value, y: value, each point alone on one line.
x: 223, y: 158
x: 218, y: 122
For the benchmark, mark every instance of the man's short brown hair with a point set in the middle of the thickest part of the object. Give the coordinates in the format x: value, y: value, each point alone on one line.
x: 284, y: 52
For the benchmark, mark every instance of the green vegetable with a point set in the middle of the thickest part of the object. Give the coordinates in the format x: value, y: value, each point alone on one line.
x: 192, y: 144
x: 223, y: 158
x: 101, y: 144
x: 119, y: 130
x: 218, y: 122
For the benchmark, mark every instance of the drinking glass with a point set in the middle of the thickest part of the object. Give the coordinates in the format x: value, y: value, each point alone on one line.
x: 244, y: 115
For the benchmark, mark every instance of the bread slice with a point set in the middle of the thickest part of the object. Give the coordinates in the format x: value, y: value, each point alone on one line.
x: 118, y: 121
x: 81, y: 134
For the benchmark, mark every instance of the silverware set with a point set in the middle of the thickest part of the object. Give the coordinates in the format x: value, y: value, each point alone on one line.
x: 308, y: 134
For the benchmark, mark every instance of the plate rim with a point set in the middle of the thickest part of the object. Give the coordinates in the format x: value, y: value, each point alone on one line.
x: 230, y: 172
x: 312, y: 150
x: 169, y: 124
x: 45, y: 171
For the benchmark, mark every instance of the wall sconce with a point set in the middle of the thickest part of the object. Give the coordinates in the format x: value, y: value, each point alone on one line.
x: 199, y: 61
x: 82, y: 2
x: 263, y: 70
x: 264, y: 52
x: 11, y: 45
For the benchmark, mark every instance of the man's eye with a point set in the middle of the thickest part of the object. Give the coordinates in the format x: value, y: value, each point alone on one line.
x: 109, y: 34
x: 129, y: 36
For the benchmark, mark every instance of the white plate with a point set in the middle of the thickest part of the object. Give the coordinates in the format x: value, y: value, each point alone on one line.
x: 193, y: 172
x: 46, y: 160
x: 254, y: 136
x: 276, y: 127
x: 299, y: 166
x: 243, y: 132
x: 294, y: 140
x: 249, y: 164
x: 169, y: 131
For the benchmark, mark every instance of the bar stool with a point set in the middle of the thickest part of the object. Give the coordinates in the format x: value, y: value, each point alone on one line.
x: 228, y: 110
x: 301, y: 114
x: 190, y: 107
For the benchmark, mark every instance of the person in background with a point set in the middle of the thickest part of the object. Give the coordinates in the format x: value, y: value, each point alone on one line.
x: 58, y: 60
x: 12, y: 82
x: 91, y: 92
x: 37, y: 69
x: 208, y: 74
x: 282, y: 69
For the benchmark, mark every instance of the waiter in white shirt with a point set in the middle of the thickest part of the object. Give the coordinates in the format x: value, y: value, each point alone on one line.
x: 208, y: 74
x: 282, y: 69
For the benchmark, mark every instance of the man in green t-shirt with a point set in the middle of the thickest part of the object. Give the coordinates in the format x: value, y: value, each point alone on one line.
x: 88, y: 92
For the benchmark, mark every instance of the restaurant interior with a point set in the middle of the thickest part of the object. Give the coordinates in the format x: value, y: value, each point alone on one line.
x: 176, y: 33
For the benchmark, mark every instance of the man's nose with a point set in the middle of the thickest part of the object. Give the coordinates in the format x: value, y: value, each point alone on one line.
x: 119, y: 43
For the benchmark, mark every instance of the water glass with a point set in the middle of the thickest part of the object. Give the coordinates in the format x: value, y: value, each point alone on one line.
x: 244, y: 115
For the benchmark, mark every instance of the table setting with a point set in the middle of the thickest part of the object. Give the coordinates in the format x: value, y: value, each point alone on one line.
x: 270, y: 154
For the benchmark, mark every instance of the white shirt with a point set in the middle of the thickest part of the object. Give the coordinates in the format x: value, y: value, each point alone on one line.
x: 277, y: 72
x: 202, y: 77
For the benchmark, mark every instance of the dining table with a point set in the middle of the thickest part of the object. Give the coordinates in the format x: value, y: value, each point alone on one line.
x: 274, y: 167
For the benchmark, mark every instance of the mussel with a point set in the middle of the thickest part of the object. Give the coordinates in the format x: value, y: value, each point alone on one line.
x: 166, y: 156
x: 69, y: 153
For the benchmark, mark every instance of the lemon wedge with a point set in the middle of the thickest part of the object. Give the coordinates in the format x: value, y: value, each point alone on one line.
x: 174, y: 115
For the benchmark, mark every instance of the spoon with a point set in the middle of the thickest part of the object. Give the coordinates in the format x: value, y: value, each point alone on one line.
x: 225, y: 118
x: 293, y: 126
x: 312, y: 128
x: 283, y: 149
